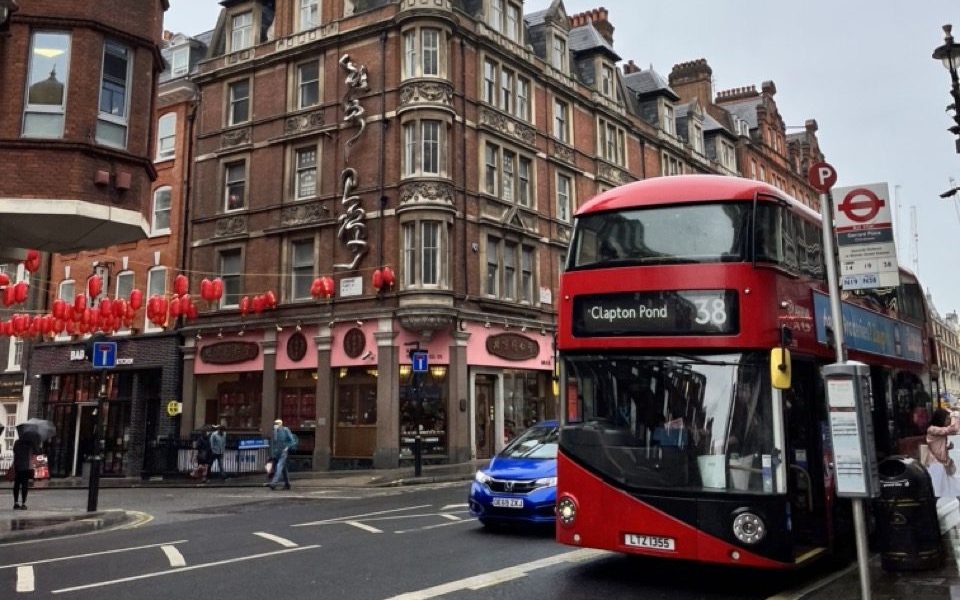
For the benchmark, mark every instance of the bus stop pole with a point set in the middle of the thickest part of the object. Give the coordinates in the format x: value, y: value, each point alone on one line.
x: 836, y: 316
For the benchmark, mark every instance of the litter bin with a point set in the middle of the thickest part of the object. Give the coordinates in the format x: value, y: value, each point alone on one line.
x: 908, y: 531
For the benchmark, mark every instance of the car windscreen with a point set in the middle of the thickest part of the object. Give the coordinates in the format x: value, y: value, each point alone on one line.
x: 536, y: 442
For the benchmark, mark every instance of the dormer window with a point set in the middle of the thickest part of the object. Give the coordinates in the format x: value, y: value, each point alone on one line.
x: 180, y: 62
x: 241, y: 31
x: 309, y: 14
x: 505, y: 18
x: 696, y: 138
x: 607, y: 82
x: 669, y: 120
x: 558, y: 57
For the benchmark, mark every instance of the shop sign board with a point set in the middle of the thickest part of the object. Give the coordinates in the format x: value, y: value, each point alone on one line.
x: 513, y: 346
x: 229, y: 353
x: 865, y: 242
x: 351, y: 286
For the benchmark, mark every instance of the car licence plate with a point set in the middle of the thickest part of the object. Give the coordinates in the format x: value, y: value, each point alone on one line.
x: 650, y: 542
x: 508, y: 502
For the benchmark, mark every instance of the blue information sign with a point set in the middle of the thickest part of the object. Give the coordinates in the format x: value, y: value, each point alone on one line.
x: 419, y: 360
x: 104, y: 355
x: 253, y: 444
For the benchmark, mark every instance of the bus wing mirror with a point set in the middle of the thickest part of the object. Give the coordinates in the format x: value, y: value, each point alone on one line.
x: 780, y: 371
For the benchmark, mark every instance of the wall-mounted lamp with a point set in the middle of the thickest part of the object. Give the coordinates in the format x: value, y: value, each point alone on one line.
x: 220, y: 334
x: 298, y: 326
x: 487, y: 324
x: 367, y: 355
x: 438, y: 371
x: 405, y: 370
x: 359, y: 323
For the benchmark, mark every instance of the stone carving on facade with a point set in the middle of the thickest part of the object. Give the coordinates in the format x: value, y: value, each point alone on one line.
x: 352, y: 231
x: 302, y: 214
x: 563, y: 152
x: 611, y: 173
x: 426, y: 91
x: 235, y: 137
x: 507, y: 126
x: 305, y: 37
x: 431, y: 4
x: 304, y: 122
x: 563, y: 232
x: 426, y: 191
x: 232, y: 225
x: 422, y: 321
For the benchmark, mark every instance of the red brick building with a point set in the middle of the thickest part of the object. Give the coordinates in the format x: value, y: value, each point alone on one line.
x: 79, y: 83
x: 147, y: 375
x: 465, y: 134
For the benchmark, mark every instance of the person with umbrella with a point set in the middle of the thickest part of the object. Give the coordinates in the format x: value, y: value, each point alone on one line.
x: 27, y: 444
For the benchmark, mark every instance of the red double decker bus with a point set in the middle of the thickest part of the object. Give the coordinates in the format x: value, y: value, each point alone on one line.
x: 677, y: 295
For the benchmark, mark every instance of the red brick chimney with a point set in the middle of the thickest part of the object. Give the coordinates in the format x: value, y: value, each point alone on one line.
x: 598, y: 17
x: 693, y: 79
x: 739, y: 93
x: 630, y: 67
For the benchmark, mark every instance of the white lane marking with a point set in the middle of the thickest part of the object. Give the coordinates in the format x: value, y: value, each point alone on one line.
x: 450, y: 517
x: 427, y: 527
x: 276, y: 538
x: 355, y: 517
x: 364, y: 527
x: 183, y: 570
x: 494, y: 577
x: 173, y: 555
x: 413, y: 516
x: 115, y: 551
x: 25, y: 580
x: 452, y: 506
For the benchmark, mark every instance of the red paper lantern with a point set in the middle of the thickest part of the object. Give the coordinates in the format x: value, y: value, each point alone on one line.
x: 32, y: 262
x: 9, y: 296
x: 119, y: 308
x: 217, y: 292
x: 106, y: 306
x: 6, y: 328
x: 79, y: 303
x: 181, y: 285
x: 257, y: 304
x: 328, y: 286
x: 4, y: 279
x: 136, y: 299
x: 389, y: 278
x: 175, y: 307
x: 377, y: 279
x: 59, y: 308
x: 270, y: 299
x: 206, y: 288
x: 94, y: 286
x: 244, y: 305
x: 20, y: 292
x: 191, y: 311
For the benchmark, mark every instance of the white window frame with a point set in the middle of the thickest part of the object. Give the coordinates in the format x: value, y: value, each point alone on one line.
x: 299, y: 169
x: 241, y: 37
x: 418, y: 148
x: 109, y: 119
x: 416, y: 254
x: 507, y: 93
x: 232, y: 102
x: 295, y: 268
x: 306, y: 20
x: 559, y: 53
x: 696, y: 137
x: 607, y: 81
x: 227, y: 183
x: 523, y: 107
x: 511, y: 22
x: 496, y: 15
x: 167, y: 136
x: 432, y: 253
x: 154, y: 230
x: 669, y: 120
x: 564, y: 200
x: 152, y: 274
x: 410, y: 53
x: 10, y: 431
x: 430, y: 54
x: 304, y: 84
x: 123, y: 275
x: 226, y: 277
x: 180, y: 61
x: 47, y: 109
x: 491, y: 78
x: 15, y: 354
x: 62, y: 294
x: 561, y: 120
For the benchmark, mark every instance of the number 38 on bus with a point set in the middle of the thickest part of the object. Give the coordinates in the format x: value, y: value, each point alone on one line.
x: 694, y: 321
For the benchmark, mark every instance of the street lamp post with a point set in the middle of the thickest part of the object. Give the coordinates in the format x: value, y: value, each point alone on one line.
x: 949, y: 55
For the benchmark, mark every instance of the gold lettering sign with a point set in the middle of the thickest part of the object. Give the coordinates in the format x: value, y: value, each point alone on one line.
x: 513, y: 346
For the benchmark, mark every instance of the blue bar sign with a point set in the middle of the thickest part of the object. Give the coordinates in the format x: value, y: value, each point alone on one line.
x: 419, y: 360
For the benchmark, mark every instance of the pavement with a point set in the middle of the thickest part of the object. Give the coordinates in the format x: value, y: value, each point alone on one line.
x: 942, y: 583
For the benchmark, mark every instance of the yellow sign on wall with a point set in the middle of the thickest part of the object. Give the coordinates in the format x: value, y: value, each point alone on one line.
x: 174, y: 408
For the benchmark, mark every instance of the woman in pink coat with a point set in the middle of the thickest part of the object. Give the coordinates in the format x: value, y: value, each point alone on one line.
x: 939, y: 464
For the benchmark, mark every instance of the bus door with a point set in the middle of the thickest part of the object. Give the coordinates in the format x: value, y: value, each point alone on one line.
x: 803, y: 412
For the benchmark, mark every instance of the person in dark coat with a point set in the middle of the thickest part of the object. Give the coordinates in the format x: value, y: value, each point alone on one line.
x: 23, y: 449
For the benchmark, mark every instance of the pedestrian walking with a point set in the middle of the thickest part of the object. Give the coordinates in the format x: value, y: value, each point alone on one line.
x: 23, y: 450
x: 281, y: 444
x: 218, y: 445
x: 204, y: 456
x: 942, y: 468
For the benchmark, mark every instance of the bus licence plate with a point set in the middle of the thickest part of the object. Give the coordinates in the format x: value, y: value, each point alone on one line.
x: 650, y: 542
x: 508, y: 502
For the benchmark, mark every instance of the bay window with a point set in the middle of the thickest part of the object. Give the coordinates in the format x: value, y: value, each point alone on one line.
x: 114, y: 96
x: 421, y: 53
x: 423, y: 143
x: 422, y: 258
x: 46, y: 92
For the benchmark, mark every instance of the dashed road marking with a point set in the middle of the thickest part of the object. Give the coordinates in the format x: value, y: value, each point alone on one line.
x: 428, y: 527
x: 364, y: 526
x: 452, y: 506
x: 355, y: 517
x: 89, y: 554
x: 276, y: 538
x: 25, y: 579
x: 173, y: 555
x: 450, y: 517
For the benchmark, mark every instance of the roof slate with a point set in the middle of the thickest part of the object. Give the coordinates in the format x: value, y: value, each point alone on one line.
x: 649, y: 81
x: 586, y: 37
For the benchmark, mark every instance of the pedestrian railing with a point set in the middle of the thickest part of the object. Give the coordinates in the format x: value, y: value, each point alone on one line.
x: 178, y: 456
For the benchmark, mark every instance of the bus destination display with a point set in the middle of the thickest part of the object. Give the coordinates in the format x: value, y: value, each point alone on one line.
x: 680, y: 312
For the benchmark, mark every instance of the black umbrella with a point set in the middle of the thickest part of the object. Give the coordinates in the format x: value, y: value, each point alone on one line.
x: 41, y: 428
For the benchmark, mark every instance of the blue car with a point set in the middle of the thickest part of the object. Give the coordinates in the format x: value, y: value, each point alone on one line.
x: 520, y: 484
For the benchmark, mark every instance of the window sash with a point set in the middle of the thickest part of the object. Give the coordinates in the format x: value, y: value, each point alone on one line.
x: 559, y: 53
x: 493, y: 266
x: 306, y: 173
x: 560, y: 119
x: 68, y: 290
x: 410, y: 53
x: 430, y: 245
x: 431, y: 52
x: 506, y: 89
x: 507, y: 181
x: 431, y: 147
x: 490, y: 82
x: 409, y: 255
x: 308, y: 77
x: 161, y: 210
x: 510, y: 271
x: 239, y: 101
x: 526, y: 274
x: 230, y: 270
x: 523, y: 99
x: 512, y: 22
x: 523, y: 181
x: 114, y: 81
x: 309, y: 14
x: 167, y: 136
x: 563, y: 197
x: 123, y: 285
x: 410, y: 148
x: 156, y: 285
x: 180, y: 62
x: 235, y: 182
x: 496, y: 15
x: 492, y: 168
x: 607, y: 81
x: 43, y: 115
x: 241, y: 31
x: 301, y: 269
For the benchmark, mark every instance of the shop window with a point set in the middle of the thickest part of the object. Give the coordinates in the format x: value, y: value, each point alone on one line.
x: 46, y: 91
x: 114, y: 95
x: 355, y: 435
x: 431, y: 419
x: 527, y: 400
x: 236, y: 403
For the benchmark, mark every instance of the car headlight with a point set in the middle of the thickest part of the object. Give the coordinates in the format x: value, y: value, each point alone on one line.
x: 546, y: 482
x: 482, y: 477
x: 749, y: 528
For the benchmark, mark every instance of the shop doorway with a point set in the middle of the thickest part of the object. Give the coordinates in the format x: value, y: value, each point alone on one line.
x: 485, y: 400
x: 85, y: 441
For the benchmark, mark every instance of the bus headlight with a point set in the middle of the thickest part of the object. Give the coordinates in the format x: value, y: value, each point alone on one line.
x: 749, y: 528
x: 566, y: 511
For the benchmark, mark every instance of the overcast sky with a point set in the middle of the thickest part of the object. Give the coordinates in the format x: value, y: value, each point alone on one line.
x: 861, y: 68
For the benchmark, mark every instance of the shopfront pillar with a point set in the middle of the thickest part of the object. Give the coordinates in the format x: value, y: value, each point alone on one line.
x: 458, y: 417
x: 324, y: 400
x: 188, y: 387
x: 387, y: 454
x: 268, y: 403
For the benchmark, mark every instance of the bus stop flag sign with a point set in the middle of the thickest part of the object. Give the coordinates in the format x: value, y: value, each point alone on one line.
x: 865, y: 243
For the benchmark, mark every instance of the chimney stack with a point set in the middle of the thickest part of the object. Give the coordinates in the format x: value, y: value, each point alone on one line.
x: 630, y: 67
x: 600, y: 20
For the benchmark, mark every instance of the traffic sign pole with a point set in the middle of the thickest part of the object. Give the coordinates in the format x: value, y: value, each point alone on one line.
x: 822, y: 177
